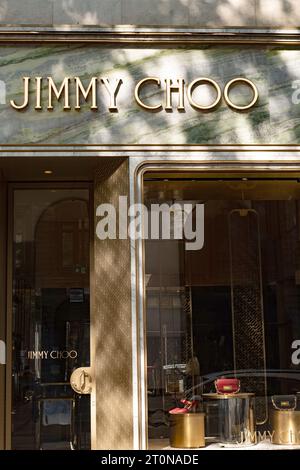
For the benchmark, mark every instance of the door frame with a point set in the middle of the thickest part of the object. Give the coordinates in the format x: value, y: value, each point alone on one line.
x: 8, y: 311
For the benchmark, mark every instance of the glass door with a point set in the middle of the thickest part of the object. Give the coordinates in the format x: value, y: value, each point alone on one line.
x: 49, y: 317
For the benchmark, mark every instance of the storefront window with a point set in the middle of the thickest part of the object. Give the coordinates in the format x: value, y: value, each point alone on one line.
x: 228, y: 309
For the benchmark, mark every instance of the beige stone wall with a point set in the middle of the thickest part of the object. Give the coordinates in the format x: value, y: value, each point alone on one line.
x: 205, y: 13
x: 112, y: 414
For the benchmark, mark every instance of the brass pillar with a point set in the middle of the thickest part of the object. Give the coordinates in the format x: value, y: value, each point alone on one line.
x: 111, y: 337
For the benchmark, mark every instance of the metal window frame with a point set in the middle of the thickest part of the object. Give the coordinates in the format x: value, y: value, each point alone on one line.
x: 212, y: 164
x: 147, y: 35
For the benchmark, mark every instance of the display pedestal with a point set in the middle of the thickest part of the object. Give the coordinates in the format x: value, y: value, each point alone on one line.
x: 187, y: 430
x: 236, y: 419
x: 285, y: 426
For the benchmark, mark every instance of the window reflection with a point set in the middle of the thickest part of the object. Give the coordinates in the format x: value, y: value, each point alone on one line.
x: 51, y: 318
x: 196, y: 300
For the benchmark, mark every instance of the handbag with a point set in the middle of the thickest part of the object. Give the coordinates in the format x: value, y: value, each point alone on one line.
x: 227, y: 386
x: 284, y: 402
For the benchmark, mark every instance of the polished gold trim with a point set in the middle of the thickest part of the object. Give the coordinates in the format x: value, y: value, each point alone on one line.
x: 167, y: 36
x: 227, y: 396
x: 150, y: 146
x: 96, y: 149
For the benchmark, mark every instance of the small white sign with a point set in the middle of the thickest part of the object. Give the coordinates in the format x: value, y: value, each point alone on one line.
x: 2, y: 352
x: 2, y: 92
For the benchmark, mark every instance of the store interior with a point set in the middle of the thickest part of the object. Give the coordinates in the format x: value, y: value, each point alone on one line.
x: 229, y: 309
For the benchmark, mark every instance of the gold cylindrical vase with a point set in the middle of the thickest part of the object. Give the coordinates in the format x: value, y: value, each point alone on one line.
x: 187, y: 430
x: 285, y: 427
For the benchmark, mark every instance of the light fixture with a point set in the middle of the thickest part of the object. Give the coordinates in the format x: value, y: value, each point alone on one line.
x: 48, y: 172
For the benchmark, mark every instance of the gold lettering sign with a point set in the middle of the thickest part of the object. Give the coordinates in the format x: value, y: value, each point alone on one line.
x: 195, y: 84
x: 138, y: 88
x: 235, y: 81
x: 169, y: 93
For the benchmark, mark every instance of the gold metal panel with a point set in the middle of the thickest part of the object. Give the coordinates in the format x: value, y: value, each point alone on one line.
x: 286, y: 427
x: 112, y: 411
x: 158, y: 35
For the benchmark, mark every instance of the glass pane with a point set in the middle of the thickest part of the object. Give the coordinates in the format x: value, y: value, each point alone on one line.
x: 51, y: 318
x: 68, y: 249
x: 230, y: 308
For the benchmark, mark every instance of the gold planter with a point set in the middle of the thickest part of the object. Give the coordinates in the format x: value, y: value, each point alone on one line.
x: 187, y: 430
x: 285, y: 427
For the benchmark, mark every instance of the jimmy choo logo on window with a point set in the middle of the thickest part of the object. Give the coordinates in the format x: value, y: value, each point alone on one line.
x: 43, y: 92
x: 54, y: 354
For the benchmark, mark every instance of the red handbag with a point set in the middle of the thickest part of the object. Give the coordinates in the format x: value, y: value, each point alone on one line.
x: 226, y: 385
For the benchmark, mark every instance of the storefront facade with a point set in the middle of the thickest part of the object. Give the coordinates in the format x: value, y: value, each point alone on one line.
x: 158, y: 116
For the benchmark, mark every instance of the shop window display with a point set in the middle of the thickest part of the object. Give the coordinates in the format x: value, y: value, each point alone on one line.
x: 230, y: 309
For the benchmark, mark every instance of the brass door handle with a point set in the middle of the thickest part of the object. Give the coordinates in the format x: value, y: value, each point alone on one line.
x: 81, y: 380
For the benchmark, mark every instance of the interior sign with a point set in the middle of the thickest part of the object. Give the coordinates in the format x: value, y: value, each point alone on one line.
x: 52, y: 354
x: 73, y: 94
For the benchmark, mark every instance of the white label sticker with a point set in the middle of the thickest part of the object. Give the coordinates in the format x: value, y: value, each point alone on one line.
x: 2, y: 352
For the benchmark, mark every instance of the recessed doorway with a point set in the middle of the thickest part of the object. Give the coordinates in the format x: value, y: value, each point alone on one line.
x: 48, y: 316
